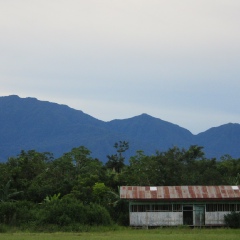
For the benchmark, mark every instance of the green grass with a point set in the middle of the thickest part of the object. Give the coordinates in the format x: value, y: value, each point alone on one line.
x: 131, y: 234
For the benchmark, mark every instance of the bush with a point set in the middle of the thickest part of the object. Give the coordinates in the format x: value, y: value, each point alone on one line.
x: 3, y: 228
x: 16, y: 213
x: 98, y: 215
x: 232, y: 220
x: 62, y: 212
x: 8, y: 213
x: 26, y: 212
x: 68, y: 211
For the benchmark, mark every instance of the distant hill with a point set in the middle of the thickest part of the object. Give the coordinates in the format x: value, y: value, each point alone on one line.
x: 221, y: 140
x: 27, y: 123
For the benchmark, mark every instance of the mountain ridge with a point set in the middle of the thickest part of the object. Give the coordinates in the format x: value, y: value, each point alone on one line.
x: 28, y: 123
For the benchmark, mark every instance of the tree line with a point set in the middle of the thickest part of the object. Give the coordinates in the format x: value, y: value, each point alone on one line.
x: 76, y: 189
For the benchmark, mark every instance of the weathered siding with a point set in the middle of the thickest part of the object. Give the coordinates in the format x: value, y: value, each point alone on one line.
x: 215, y: 218
x: 156, y: 218
x: 172, y: 218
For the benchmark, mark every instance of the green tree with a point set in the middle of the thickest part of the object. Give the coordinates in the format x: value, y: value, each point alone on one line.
x: 59, y: 176
x: 88, y: 171
x: 142, y: 170
x: 116, y: 161
x: 208, y: 172
x: 7, y: 193
x: 101, y: 193
x: 24, y: 168
x: 229, y: 168
x: 4, y: 173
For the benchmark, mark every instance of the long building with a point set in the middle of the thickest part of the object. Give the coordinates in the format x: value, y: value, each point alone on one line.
x: 180, y: 205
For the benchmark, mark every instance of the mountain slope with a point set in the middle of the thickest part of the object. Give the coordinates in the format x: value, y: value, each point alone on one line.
x: 221, y: 140
x: 151, y: 134
x: 27, y: 123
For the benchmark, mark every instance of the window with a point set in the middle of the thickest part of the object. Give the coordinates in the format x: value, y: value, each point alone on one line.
x: 156, y: 208
x: 140, y: 208
x: 237, y: 207
x: 177, y: 207
x: 211, y: 208
x: 162, y: 208
x: 220, y: 207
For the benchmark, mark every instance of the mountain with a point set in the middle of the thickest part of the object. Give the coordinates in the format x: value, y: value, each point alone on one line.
x: 151, y: 134
x: 221, y: 140
x: 27, y: 123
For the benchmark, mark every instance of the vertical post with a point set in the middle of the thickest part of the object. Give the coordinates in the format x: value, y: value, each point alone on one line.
x: 200, y: 220
x: 129, y: 206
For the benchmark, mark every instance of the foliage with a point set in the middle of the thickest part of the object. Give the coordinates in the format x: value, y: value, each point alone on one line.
x: 24, y: 168
x: 7, y: 212
x: 15, y: 213
x: 116, y: 161
x: 232, y: 219
x: 76, y: 190
x: 100, y: 193
x: 52, y: 198
x: 97, y: 215
x: 7, y: 194
x: 68, y: 211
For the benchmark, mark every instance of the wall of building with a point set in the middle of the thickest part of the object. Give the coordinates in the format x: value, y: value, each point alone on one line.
x: 156, y: 218
x: 173, y: 214
x: 215, y: 218
x: 171, y: 218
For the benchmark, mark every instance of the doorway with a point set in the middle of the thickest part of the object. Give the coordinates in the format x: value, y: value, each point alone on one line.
x: 188, y: 215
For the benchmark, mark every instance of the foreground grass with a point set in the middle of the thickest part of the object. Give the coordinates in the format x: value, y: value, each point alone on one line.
x: 131, y: 234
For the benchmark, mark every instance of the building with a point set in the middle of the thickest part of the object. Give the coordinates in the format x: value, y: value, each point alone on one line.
x: 180, y: 205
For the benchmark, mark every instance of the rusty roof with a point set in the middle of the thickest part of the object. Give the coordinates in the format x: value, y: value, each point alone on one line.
x: 177, y: 193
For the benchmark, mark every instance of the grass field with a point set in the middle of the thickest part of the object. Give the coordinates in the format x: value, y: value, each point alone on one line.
x: 131, y: 234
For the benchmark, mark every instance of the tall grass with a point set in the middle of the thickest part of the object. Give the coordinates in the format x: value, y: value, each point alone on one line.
x: 130, y: 234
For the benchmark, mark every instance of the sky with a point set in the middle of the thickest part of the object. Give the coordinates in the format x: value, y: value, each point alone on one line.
x: 177, y: 60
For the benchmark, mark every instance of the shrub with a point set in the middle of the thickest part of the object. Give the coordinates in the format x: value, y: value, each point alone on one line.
x: 8, y: 213
x: 68, y: 211
x: 98, y: 215
x: 4, y: 228
x: 62, y: 212
x: 232, y: 219
x: 26, y: 212
x: 16, y: 213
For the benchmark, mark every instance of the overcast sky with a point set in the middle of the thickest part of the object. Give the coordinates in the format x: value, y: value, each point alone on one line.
x: 177, y: 60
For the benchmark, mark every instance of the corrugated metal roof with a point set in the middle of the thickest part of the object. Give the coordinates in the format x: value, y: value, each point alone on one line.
x: 180, y: 192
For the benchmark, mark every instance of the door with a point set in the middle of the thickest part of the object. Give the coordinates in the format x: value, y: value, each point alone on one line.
x: 187, y: 215
x: 199, y: 219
